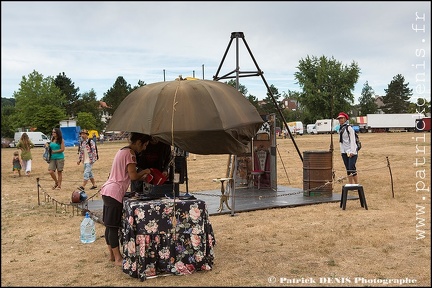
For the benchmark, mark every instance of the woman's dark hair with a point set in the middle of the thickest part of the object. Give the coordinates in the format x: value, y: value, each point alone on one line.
x: 134, y: 136
x: 58, y: 134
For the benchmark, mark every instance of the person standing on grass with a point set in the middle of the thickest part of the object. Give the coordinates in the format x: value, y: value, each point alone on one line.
x: 123, y: 170
x: 16, y: 164
x: 25, y: 144
x: 87, y: 155
x: 348, y: 147
x: 56, y: 163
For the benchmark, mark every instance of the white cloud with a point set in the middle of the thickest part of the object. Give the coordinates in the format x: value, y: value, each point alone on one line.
x: 95, y: 42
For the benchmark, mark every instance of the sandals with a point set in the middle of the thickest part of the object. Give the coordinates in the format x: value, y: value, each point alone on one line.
x: 55, y: 186
x: 93, y: 187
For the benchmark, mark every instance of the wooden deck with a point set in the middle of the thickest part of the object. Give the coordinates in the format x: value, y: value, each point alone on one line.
x: 247, y: 199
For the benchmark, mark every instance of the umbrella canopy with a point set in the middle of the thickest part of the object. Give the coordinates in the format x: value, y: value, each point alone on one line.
x: 198, y: 116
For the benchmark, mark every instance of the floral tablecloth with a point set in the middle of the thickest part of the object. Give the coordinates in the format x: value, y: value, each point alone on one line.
x: 166, y: 236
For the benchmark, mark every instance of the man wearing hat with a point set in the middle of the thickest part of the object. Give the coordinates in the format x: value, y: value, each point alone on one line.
x: 348, y: 147
x: 87, y: 155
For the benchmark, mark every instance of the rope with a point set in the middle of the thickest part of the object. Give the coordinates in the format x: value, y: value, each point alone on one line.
x: 84, y: 204
x: 338, y: 180
x: 283, y: 164
x: 174, y: 224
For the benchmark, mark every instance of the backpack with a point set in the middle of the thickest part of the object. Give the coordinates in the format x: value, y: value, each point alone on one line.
x: 96, y: 150
x: 357, y: 139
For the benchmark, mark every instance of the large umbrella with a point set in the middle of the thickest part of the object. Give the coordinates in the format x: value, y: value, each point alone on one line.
x: 198, y: 116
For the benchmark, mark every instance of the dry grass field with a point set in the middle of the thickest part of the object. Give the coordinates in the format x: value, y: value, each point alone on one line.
x: 315, y: 245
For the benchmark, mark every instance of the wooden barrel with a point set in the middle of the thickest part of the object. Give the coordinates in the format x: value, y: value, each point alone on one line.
x: 317, y: 173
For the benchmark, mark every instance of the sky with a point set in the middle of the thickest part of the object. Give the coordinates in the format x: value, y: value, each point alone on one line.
x: 94, y: 43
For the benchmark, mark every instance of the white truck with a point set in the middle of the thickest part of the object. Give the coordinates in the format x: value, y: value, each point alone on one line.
x: 311, y: 129
x: 324, y: 126
x: 37, y: 138
x: 392, y: 122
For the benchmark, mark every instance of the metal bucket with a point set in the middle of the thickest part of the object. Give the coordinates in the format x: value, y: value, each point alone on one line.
x: 317, y: 173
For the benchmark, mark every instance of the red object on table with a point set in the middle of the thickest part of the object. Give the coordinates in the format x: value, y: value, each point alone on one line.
x: 158, y: 177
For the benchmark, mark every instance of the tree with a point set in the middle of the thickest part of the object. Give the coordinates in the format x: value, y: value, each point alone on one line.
x: 397, y: 96
x: 116, y: 94
x: 422, y: 106
x: 140, y: 84
x: 48, y: 117
x: 39, y: 103
x: 7, y: 112
x: 367, y: 100
x: 300, y: 113
x: 268, y: 106
x: 89, y: 104
x: 86, y: 120
x: 241, y: 88
x: 71, y: 93
x: 252, y: 99
x: 327, y: 85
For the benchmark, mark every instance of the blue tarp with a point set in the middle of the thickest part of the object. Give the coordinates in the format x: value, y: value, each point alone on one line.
x: 71, y: 135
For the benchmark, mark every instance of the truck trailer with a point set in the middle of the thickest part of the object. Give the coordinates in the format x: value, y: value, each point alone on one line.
x: 361, y: 121
x: 402, y: 122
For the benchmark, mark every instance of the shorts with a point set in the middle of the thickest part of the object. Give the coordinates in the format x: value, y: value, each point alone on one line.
x: 350, y: 164
x: 88, y: 174
x: 56, y: 165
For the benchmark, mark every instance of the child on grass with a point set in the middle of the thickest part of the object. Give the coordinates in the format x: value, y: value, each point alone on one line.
x: 16, y: 164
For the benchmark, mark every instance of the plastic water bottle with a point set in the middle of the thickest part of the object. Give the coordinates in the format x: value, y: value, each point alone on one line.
x: 88, y: 230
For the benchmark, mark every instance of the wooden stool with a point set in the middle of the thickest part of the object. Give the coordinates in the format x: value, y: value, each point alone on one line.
x: 360, y: 191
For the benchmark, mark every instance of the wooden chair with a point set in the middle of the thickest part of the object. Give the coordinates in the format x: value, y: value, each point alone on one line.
x: 261, y: 166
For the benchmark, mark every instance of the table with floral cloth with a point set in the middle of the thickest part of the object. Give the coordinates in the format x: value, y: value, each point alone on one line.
x: 166, y: 236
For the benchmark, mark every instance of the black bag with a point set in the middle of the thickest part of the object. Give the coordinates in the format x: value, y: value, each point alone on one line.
x: 47, y: 154
x: 358, y: 142
x: 96, y: 150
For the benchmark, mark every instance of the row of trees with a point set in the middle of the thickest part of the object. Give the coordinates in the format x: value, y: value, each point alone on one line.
x: 326, y: 88
x: 42, y: 102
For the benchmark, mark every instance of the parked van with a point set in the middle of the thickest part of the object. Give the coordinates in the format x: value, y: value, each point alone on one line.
x: 37, y: 138
x: 296, y: 127
x: 323, y: 126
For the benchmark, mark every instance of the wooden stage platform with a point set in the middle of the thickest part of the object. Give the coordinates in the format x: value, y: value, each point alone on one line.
x: 247, y: 199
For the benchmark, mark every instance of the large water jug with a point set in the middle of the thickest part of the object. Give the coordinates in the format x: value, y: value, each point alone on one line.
x: 88, y: 230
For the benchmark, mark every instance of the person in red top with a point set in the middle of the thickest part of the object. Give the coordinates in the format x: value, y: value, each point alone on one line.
x: 123, y: 170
